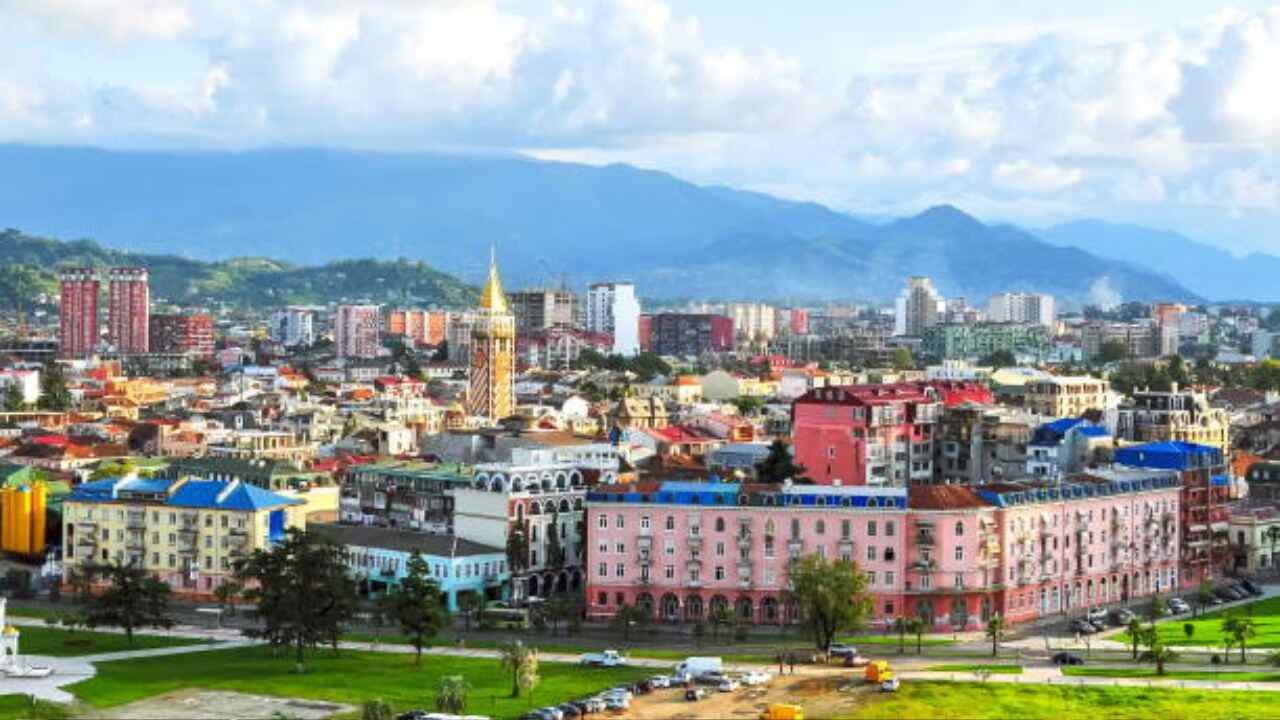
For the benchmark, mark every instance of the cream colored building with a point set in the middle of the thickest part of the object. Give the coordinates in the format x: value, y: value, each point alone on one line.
x: 1068, y: 396
x: 1184, y: 415
x: 188, y: 533
x: 1255, y: 539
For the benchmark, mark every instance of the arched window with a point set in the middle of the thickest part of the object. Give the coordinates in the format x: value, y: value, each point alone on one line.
x: 959, y: 528
x: 719, y: 524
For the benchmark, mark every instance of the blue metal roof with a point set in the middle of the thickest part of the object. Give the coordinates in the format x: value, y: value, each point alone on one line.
x: 1094, y: 431
x: 207, y: 494
x: 1169, y: 455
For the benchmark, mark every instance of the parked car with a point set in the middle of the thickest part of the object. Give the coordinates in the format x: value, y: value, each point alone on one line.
x: 1222, y: 593
x: 841, y: 650
x: 712, y: 678
x: 890, y: 685
x: 1082, y: 626
x: 570, y: 710
x: 1251, y: 587
x: 620, y: 690
x: 1066, y: 658
x: 856, y: 661
x: 756, y: 677
x: 413, y: 715
x: 1178, y: 605
x: 1098, y: 625
x: 617, y: 702
x: 728, y: 685
x: 592, y: 705
x: 1121, y: 617
x: 608, y: 658
x: 660, y: 681
x: 1096, y: 614
x: 695, y: 694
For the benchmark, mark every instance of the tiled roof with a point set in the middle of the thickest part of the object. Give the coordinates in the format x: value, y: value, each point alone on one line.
x: 943, y: 497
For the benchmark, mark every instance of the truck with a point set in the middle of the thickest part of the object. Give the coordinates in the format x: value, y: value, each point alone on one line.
x: 692, y: 667
x: 608, y: 658
x: 878, y: 671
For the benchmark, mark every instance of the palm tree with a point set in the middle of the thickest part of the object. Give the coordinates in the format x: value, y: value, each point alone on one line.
x: 902, y: 626
x: 522, y: 661
x: 916, y: 626
x: 451, y: 696
x: 1156, y: 608
x: 1241, y: 630
x: 1157, y: 652
x: 995, y: 631
x: 1135, y: 635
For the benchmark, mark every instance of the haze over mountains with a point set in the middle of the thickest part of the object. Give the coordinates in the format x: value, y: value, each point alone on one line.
x: 552, y: 220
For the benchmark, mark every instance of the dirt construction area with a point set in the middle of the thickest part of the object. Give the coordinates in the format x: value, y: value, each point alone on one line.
x: 823, y: 694
x: 210, y: 705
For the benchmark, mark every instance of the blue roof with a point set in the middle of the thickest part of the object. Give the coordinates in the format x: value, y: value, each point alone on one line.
x: 1169, y: 455
x: 208, y: 494
x: 1094, y: 431
x: 1062, y: 425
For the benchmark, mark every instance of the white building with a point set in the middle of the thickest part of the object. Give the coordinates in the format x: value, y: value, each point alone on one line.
x: 355, y: 331
x: 918, y: 308
x: 1016, y: 307
x: 292, y: 326
x: 753, y: 322
x: 27, y: 382
x: 612, y: 308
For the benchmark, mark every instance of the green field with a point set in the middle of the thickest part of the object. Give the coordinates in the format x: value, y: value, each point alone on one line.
x: 980, y: 701
x: 56, y: 642
x: 1208, y: 627
x: 961, y: 668
x: 926, y: 641
x: 348, y: 677
x: 1173, y: 674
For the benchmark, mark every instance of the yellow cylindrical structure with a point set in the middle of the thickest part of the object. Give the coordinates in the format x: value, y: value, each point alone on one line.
x: 22, y: 519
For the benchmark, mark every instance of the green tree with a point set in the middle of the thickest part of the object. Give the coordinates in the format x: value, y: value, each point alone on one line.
x: 831, y: 595
x: 558, y: 610
x: 779, y: 465
x: 518, y: 546
x: 555, y: 548
x: 1157, y: 651
x: 1241, y: 629
x: 1134, y: 630
x: 719, y: 618
x: 415, y: 605
x: 1112, y: 351
x: 13, y: 400
x: 1157, y: 607
x: 748, y: 406
x: 995, y: 632
x: 469, y: 604
x: 1204, y: 596
x: 300, y: 591
x: 1189, y: 629
x: 54, y: 394
x: 522, y: 662
x: 132, y: 599
x: 1000, y: 359
x: 902, y: 359
x: 375, y: 710
x: 628, y: 618
x: 917, y: 625
x: 226, y: 594
x: 451, y: 694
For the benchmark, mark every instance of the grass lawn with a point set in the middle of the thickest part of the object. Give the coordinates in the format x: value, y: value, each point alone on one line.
x: 926, y: 641
x: 21, y: 707
x: 56, y: 642
x: 978, y: 701
x: 1173, y: 674
x: 348, y: 677
x: 1208, y: 627
x: 750, y: 653
x: 993, y: 669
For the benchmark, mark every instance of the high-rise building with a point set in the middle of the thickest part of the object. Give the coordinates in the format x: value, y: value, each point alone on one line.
x: 540, y: 309
x: 1014, y: 307
x: 293, y: 326
x: 690, y: 335
x: 799, y: 321
x: 78, y: 312
x: 420, y: 327
x: 918, y: 308
x: 355, y: 331
x: 492, y: 391
x: 129, y: 310
x: 186, y: 334
x: 752, y: 322
x: 612, y: 308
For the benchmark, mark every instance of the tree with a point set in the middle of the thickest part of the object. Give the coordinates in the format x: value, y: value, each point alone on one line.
x: 451, y: 695
x: 779, y: 465
x: 1112, y: 351
x: 831, y: 595
x: 902, y: 626
x: 522, y: 662
x: 558, y: 610
x: 1189, y: 629
x: 226, y: 594
x: 518, y: 546
x: 1157, y: 607
x: 902, y: 359
x: 1204, y: 596
x: 54, y: 394
x: 748, y: 406
x: 301, y: 592
x: 1240, y: 629
x: 719, y: 618
x: 1000, y: 359
x: 1157, y: 651
x: 132, y: 599
x: 995, y: 632
x: 13, y: 400
x: 468, y: 604
x: 375, y: 710
x: 81, y: 579
x: 628, y: 617
x: 1134, y: 630
x: 415, y: 605
x: 555, y: 549
x: 916, y: 627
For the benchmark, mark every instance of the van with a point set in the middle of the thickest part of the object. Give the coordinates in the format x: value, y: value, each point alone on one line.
x: 695, y: 667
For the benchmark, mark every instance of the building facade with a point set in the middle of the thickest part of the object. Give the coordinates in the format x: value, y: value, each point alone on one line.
x: 183, y: 334
x: 918, y: 308
x: 1067, y: 396
x: 128, y: 310
x: 355, y: 332
x: 1176, y: 414
x: 613, y: 309
x: 689, y: 334
x: 78, y: 312
x: 958, y: 341
x: 293, y: 326
x: 491, y: 393
x: 541, y: 309
x: 1015, y: 307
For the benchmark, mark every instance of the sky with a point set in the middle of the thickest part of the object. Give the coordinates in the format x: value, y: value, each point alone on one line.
x: 1165, y: 114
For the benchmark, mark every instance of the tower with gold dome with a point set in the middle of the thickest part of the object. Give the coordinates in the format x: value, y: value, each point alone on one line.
x: 492, y: 392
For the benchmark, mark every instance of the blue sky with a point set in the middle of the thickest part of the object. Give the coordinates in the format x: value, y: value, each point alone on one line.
x: 1034, y: 112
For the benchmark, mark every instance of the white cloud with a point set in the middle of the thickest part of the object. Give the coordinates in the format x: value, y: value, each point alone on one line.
x: 105, y: 19
x: 1030, y: 177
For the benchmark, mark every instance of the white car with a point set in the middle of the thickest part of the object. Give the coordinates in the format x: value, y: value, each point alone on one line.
x: 728, y: 685
x: 756, y: 677
x: 660, y: 681
x: 1179, y: 605
x: 617, y: 702
x: 890, y: 685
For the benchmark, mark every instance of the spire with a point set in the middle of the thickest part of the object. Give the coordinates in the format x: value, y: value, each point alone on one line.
x: 492, y: 297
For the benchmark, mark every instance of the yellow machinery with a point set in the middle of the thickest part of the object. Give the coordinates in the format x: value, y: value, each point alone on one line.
x: 22, y: 519
x: 782, y: 711
x: 878, y: 671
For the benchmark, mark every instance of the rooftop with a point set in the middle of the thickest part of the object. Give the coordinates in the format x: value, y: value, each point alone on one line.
x: 403, y: 540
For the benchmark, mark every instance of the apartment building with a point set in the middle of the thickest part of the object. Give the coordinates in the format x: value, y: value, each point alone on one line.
x: 540, y: 309
x: 402, y: 494
x: 614, y: 310
x: 689, y: 334
x: 1060, y: 396
x: 186, y: 532
x: 128, y: 310
x: 184, y: 334
x: 78, y: 312
x: 293, y: 326
x: 979, y: 340
x: 1181, y: 414
x: 1015, y: 307
x: 918, y: 308
x: 953, y: 555
x: 355, y: 331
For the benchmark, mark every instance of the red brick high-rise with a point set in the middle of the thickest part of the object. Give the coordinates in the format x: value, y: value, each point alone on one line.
x: 188, y: 334
x: 129, y: 310
x: 78, y: 312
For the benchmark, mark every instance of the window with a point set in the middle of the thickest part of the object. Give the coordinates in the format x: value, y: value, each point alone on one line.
x: 644, y: 522
x: 959, y: 552
x: 719, y: 572
x: 603, y: 522
x: 889, y: 553
x: 669, y: 548
x: 959, y: 529
x: 620, y: 548
x: 822, y: 551
x: 671, y: 523
x: 224, y: 521
x: 795, y: 528
x: 719, y: 549
x: 846, y: 528
x: 820, y: 527
x: 603, y: 570
x: 768, y: 547
x: 888, y: 578
x: 959, y: 580
x: 621, y: 522
x: 604, y: 547
x: 602, y: 599
x: 871, y: 552
x: 669, y: 572
x: 890, y: 527
x: 871, y: 528
x: 620, y: 570
x: 719, y: 524
x: 871, y: 578
x: 925, y: 582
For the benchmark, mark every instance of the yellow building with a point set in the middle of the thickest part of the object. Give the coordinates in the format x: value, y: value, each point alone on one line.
x: 23, y: 509
x: 186, y: 532
x: 1064, y: 396
x: 492, y: 391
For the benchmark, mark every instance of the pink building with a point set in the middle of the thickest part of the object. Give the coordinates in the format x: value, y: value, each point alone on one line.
x: 954, y: 555
x: 78, y: 312
x: 355, y: 331
x: 129, y: 309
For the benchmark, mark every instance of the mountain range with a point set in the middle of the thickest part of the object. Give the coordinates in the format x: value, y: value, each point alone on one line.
x: 549, y: 221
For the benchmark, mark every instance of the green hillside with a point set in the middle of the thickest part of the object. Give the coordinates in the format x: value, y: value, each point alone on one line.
x: 31, y: 264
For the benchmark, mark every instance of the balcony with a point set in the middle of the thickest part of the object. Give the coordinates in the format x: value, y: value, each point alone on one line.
x: 238, y: 531
x: 136, y: 521
x: 694, y: 540
x: 693, y: 561
x: 644, y: 557
x: 693, y: 582
x: 923, y: 565
x: 744, y: 583
x: 744, y: 539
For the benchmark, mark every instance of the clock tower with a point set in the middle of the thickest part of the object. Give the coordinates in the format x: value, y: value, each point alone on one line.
x: 492, y: 391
